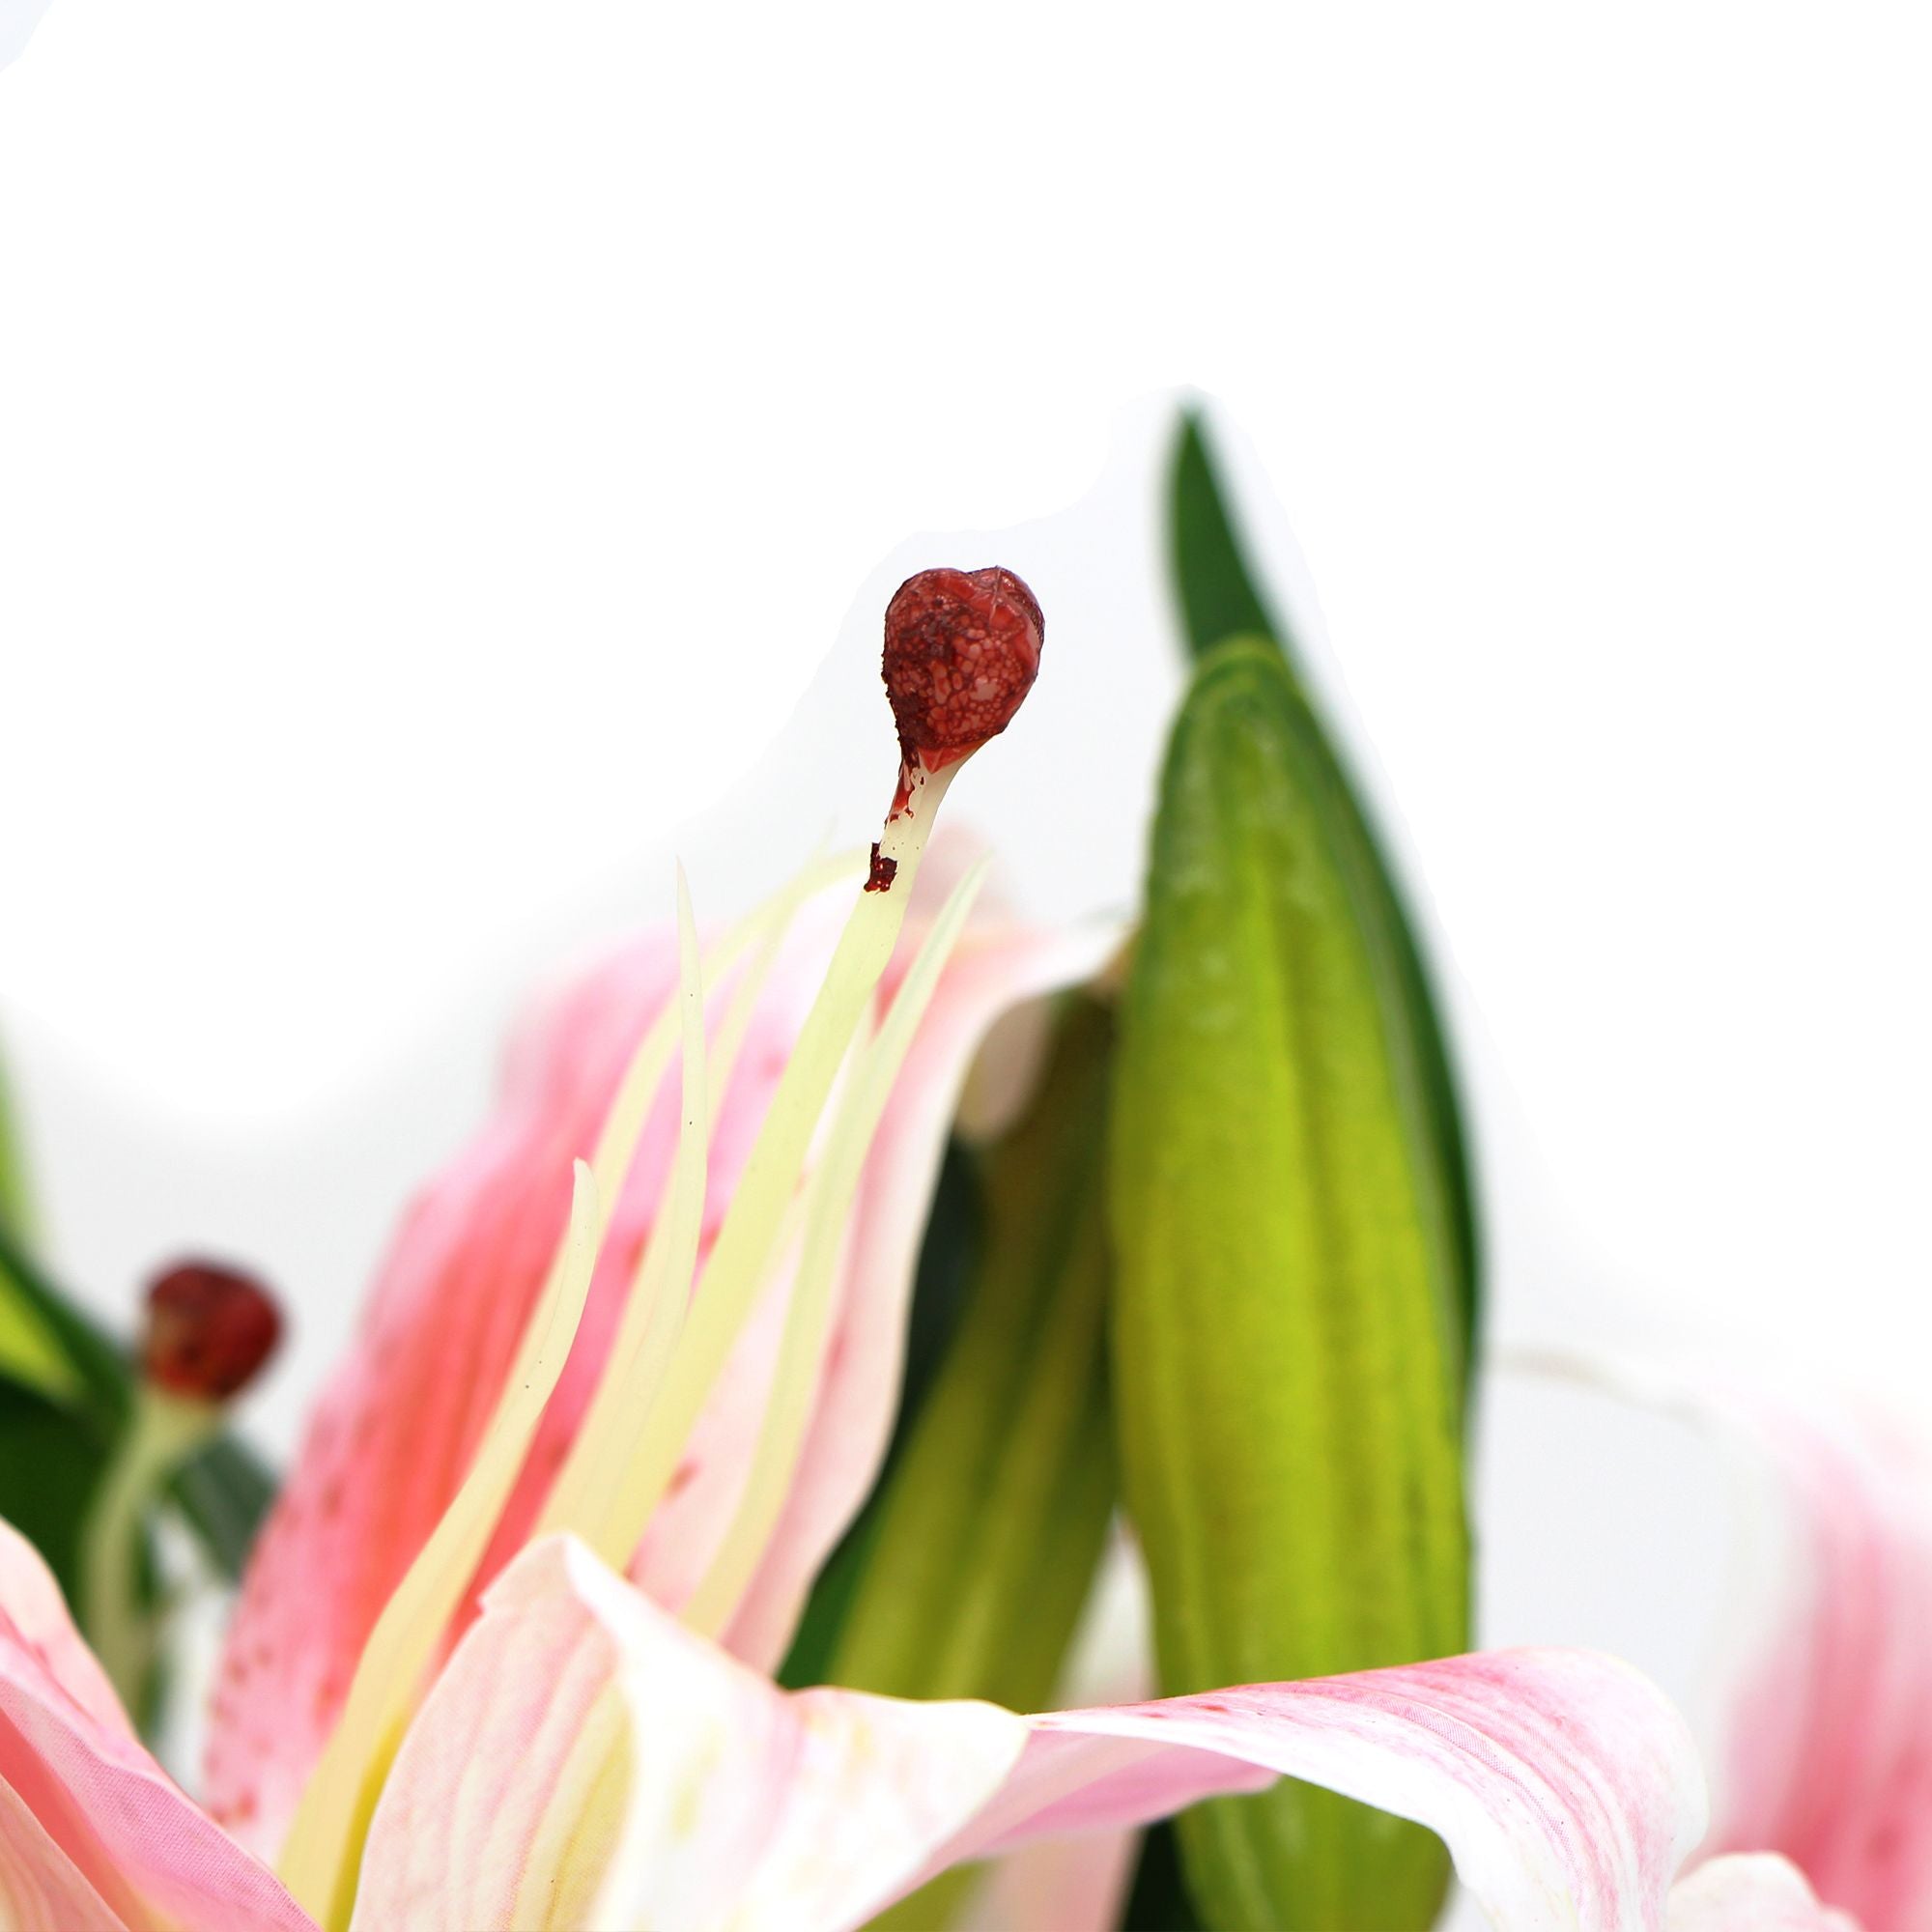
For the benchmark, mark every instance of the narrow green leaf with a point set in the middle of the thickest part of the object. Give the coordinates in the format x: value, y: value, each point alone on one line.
x: 1220, y: 599
x: 1218, y: 596
x: 1286, y: 1374
x: 50, y: 1461
x: 30, y: 1352
x: 16, y: 1207
x: 99, y: 1379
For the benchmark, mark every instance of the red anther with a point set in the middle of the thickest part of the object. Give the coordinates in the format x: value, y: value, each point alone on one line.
x: 962, y: 650
x: 210, y: 1329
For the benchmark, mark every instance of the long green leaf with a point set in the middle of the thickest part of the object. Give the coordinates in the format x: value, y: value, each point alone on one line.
x: 30, y: 1352
x: 1218, y: 593
x: 1220, y: 599
x: 1287, y: 1372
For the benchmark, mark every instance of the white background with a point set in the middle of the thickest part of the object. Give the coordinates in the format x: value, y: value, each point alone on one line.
x: 440, y: 444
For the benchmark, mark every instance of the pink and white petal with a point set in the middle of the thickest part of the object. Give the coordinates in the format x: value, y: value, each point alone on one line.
x: 1759, y: 1892
x: 399, y: 1423
x: 1563, y: 1782
x: 996, y: 968
x: 32, y: 1611
x: 581, y: 1746
x: 41, y: 1889
x: 584, y: 1758
x: 1829, y: 1754
x: 95, y: 1831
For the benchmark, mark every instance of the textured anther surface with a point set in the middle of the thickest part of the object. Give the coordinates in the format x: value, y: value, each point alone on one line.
x: 962, y: 650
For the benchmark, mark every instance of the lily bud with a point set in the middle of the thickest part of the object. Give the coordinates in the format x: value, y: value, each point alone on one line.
x: 209, y: 1330
x: 962, y: 650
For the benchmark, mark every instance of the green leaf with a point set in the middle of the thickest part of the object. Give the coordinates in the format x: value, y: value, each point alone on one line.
x: 51, y: 1458
x: 30, y: 1352
x: 1287, y: 1375
x: 98, y: 1380
x: 1220, y: 600
x: 16, y: 1199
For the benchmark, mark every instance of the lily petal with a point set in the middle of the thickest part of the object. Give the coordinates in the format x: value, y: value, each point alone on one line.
x: 41, y: 1887
x: 1829, y: 1754
x: 399, y: 1423
x: 585, y: 1759
x: 92, y: 1833
x: 1830, y: 1759
x: 1566, y: 1786
x: 1761, y: 1893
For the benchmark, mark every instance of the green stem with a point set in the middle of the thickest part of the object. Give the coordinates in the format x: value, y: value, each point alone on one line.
x: 163, y: 1431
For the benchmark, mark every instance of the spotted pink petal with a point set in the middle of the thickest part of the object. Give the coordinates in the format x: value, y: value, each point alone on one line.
x: 1761, y: 1893
x: 92, y: 1833
x: 1566, y: 1786
x: 399, y: 1423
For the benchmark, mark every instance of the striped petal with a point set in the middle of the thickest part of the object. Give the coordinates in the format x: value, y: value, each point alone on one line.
x: 584, y: 1759
x: 1828, y: 1758
x: 1565, y: 1786
x: 92, y: 1833
x: 655, y: 1781
x: 1830, y: 1755
x: 399, y: 1423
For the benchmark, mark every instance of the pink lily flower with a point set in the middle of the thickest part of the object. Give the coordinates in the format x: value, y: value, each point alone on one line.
x: 544, y: 1382
x: 399, y: 1423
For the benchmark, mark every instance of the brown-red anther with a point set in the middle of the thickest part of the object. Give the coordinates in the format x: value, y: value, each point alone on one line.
x: 210, y: 1329
x: 962, y: 650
